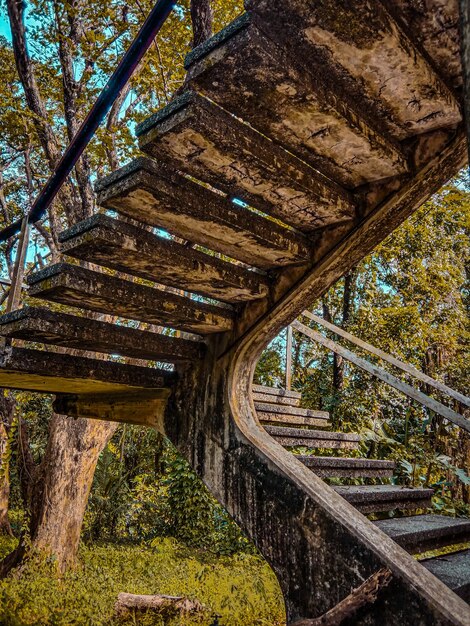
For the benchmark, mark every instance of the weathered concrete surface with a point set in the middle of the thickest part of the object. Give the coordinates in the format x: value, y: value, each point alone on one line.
x: 51, y: 372
x: 420, y: 533
x: 290, y: 420
x: 357, y: 46
x: 372, y: 498
x: 272, y: 399
x: 338, y: 251
x: 276, y: 393
x: 313, y: 438
x: 465, y: 55
x: 95, y: 291
x: 286, y: 508
x: 153, y: 195
x: 288, y: 415
x: 130, y: 249
x: 434, y: 24
x: 247, y: 74
x: 145, y: 408
x: 268, y: 407
x: 208, y: 143
x: 453, y: 570
x: 41, y: 325
x: 343, y: 467
x: 318, y: 544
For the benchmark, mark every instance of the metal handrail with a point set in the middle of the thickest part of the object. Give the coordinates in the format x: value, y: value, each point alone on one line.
x: 96, y: 115
x: 405, y: 367
x: 386, y: 377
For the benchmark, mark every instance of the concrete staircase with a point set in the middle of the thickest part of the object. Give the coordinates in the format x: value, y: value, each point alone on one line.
x: 305, y: 134
x: 417, y: 531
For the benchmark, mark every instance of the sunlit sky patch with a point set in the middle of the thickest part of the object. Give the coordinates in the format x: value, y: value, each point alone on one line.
x: 5, y: 27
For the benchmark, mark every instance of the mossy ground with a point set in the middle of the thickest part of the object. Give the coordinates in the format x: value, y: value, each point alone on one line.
x: 241, y: 589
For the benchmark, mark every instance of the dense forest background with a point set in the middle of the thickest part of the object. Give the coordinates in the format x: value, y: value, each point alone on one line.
x: 142, y: 521
x: 150, y: 524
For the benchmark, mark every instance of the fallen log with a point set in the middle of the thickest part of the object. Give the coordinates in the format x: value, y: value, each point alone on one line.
x: 364, y: 594
x: 164, y: 605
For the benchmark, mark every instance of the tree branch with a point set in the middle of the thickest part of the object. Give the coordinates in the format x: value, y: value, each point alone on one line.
x: 70, y: 89
x: 366, y: 593
x: 202, y: 18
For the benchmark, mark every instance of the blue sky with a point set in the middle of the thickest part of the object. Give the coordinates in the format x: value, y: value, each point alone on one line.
x: 4, y: 27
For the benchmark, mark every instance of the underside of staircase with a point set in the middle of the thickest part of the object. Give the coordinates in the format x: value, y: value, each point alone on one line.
x: 305, y: 133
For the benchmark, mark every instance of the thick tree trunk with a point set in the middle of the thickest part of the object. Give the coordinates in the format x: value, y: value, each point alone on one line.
x: 202, y: 17
x: 63, y: 485
x: 56, y: 492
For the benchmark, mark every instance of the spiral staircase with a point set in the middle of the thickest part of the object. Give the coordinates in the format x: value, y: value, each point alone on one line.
x: 305, y: 133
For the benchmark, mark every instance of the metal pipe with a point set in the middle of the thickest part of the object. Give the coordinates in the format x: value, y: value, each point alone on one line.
x: 289, y: 358
x: 386, y: 377
x: 405, y: 367
x: 98, y: 112
x: 14, y: 297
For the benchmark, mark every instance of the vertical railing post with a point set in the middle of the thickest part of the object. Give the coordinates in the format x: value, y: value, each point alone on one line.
x: 14, y: 297
x: 289, y: 358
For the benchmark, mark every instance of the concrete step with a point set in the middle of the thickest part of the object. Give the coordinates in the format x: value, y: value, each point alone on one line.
x: 343, y: 467
x: 289, y: 104
x: 425, y: 532
x: 374, y: 498
x: 127, y: 248
x: 291, y: 437
x: 205, y: 141
x: 291, y: 420
x: 41, y: 325
x: 102, y: 293
x: 275, y: 392
x: 152, y: 194
x: 357, y: 74
x: 272, y: 399
x: 51, y: 372
x: 268, y: 407
x: 289, y: 415
x: 453, y: 570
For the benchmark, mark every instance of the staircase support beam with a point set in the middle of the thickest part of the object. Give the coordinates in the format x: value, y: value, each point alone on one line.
x: 144, y: 408
x: 465, y: 50
x: 318, y: 544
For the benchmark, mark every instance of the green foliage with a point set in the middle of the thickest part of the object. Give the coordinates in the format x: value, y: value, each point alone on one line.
x: 410, y: 298
x: 194, y: 517
x: 241, y: 589
x: 270, y: 369
x: 144, y: 489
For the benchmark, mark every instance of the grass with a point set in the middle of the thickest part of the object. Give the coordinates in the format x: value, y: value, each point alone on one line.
x: 241, y: 589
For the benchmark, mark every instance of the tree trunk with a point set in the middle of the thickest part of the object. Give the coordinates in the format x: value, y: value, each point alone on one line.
x: 56, y: 491
x: 67, y: 195
x: 6, y: 416
x: 202, y: 17
x: 63, y: 485
x: 5, y: 528
x: 347, y: 307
